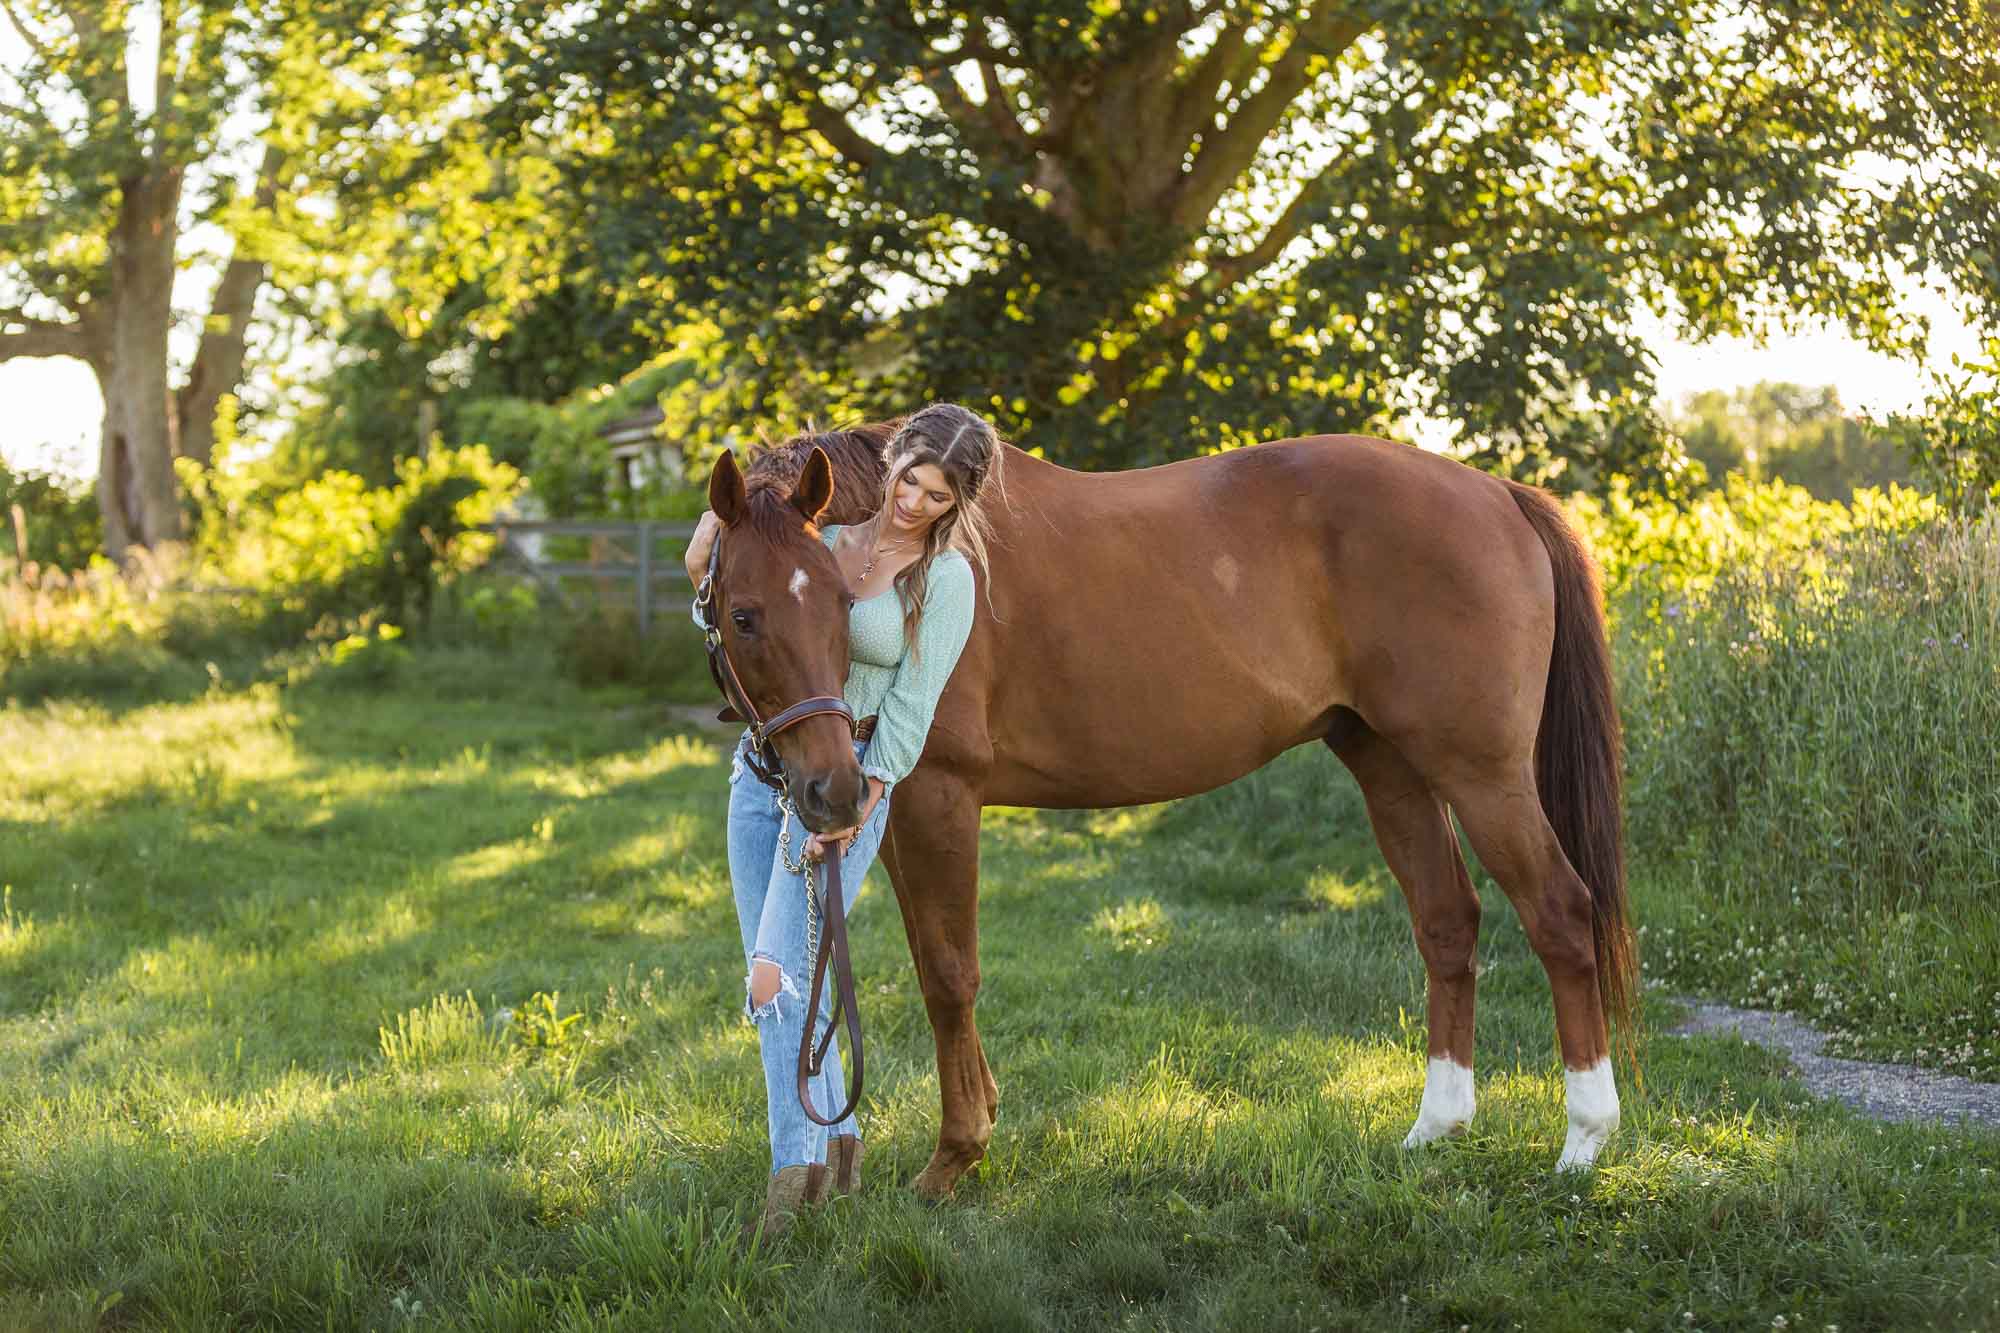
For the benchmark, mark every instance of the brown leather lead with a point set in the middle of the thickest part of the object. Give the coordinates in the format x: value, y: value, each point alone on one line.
x: 832, y: 948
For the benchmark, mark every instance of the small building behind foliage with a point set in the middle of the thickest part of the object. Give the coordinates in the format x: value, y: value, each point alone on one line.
x: 639, y: 458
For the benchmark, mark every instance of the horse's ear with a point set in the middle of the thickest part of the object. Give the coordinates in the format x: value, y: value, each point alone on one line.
x: 815, y: 489
x: 725, y: 489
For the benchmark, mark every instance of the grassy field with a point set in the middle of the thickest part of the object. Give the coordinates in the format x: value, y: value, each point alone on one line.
x: 408, y: 997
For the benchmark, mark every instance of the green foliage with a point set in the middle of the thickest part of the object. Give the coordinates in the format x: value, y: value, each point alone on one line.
x: 565, y: 458
x: 134, y: 138
x: 1791, y: 433
x: 539, y: 1024
x: 97, y: 631
x: 1133, y: 233
x: 1954, y: 440
x: 335, y: 546
x: 58, y: 515
x: 1654, y: 552
x: 469, y: 380
x: 368, y: 660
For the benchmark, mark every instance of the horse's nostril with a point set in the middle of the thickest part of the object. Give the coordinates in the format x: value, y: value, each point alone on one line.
x: 816, y: 794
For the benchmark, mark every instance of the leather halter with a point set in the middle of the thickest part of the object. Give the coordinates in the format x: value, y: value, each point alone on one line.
x: 763, y: 759
x: 770, y: 770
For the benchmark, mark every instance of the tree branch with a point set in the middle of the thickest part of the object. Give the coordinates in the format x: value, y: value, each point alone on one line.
x: 834, y: 127
x: 42, y: 338
x: 990, y: 123
x: 218, y: 361
x: 1230, y: 61
x: 1228, y: 153
x: 1232, y: 269
x: 1000, y: 108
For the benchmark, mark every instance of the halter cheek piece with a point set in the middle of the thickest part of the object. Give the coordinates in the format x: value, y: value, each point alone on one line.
x: 831, y: 953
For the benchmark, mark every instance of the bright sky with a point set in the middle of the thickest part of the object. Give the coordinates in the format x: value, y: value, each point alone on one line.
x: 50, y: 410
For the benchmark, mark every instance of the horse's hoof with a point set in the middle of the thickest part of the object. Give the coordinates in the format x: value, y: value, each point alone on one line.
x: 1430, y: 1131
x: 1580, y: 1149
x: 937, y: 1180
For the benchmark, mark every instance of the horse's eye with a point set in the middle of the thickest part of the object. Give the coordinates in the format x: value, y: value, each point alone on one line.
x: 745, y: 622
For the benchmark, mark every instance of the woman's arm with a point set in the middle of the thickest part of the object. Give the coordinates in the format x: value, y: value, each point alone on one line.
x: 904, y: 720
x: 701, y: 544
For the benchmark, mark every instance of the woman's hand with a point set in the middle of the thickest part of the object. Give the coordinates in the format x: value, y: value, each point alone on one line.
x: 701, y: 545
x: 817, y: 843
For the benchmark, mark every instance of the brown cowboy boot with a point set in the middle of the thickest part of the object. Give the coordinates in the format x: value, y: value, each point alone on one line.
x: 792, y: 1188
x: 843, y: 1163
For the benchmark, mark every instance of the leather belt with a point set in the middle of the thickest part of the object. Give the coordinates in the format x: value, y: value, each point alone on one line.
x: 865, y: 728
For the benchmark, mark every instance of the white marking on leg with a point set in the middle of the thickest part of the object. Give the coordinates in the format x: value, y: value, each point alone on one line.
x: 798, y: 585
x: 1593, y: 1114
x: 1447, y: 1105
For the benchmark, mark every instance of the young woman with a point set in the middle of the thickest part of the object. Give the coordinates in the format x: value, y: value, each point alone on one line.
x: 918, y: 546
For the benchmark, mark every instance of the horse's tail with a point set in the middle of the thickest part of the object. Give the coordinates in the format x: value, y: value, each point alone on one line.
x: 1578, y: 751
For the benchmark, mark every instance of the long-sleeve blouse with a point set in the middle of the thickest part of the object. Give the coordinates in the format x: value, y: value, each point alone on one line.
x: 900, y: 687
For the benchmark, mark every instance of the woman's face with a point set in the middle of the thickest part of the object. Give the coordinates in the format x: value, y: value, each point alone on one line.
x: 922, y: 497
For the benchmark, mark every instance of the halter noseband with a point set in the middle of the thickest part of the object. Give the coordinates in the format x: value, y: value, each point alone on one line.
x: 763, y: 759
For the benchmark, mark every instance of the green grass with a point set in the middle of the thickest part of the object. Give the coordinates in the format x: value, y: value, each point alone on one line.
x: 253, y: 1069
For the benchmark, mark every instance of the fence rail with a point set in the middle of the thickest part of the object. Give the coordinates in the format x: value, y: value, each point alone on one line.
x: 618, y: 550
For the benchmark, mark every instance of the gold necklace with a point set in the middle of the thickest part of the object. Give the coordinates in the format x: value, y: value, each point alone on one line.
x: 868, y: 565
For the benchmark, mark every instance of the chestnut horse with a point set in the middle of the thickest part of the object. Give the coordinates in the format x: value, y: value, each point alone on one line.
x: 1153, y: 634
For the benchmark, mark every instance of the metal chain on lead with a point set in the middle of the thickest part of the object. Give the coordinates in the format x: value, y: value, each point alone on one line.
x: 803, y: 869
x: 812, y: 923
x: 785, y: 813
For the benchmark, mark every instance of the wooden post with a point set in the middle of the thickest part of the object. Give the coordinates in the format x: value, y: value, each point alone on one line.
x: 645, y: 577
x: 20, y: 534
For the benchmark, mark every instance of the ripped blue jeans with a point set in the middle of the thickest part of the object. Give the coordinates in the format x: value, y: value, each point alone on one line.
x: 771, y: 913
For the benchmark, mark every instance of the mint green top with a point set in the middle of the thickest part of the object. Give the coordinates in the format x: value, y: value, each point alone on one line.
x: 901, y: 689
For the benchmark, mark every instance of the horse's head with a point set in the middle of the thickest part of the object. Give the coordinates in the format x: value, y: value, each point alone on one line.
x: 782, y: 603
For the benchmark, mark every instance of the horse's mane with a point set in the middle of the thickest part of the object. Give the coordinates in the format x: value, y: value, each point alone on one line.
x: 858, y: 469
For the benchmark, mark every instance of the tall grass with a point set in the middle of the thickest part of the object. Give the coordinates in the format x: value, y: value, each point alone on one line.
x: 1811, y: 748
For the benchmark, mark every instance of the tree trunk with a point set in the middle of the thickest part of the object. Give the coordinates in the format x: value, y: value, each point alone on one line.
x: 136, y: 490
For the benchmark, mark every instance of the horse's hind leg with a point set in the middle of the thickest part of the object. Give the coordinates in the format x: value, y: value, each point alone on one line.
x: 1416, y: 837
x: 1504, y: 819
x: 934, y: 826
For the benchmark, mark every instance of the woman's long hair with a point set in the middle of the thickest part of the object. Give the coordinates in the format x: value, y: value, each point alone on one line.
x: 964, y: 447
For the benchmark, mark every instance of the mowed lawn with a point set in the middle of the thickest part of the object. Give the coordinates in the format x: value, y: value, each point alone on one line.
x: 413, y: 1002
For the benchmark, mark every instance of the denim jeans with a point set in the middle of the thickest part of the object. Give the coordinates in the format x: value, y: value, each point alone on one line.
x: 771, y: 913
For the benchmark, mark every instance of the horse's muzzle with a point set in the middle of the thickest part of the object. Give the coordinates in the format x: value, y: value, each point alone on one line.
x: 830, y: 801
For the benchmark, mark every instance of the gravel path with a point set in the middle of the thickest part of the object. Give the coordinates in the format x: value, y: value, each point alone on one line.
x: 1884, y: 1091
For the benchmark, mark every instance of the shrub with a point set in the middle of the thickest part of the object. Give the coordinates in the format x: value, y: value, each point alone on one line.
x: 1654, y: 552
x: 1954, y: 439
x: 335, y: 547
x: 59, y: 518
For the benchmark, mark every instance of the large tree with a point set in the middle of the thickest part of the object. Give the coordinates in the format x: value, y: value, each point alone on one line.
x: 1134, y: 230
x: 270, y: 146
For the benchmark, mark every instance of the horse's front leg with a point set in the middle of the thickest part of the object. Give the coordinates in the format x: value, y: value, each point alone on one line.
x: 932, y: 854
